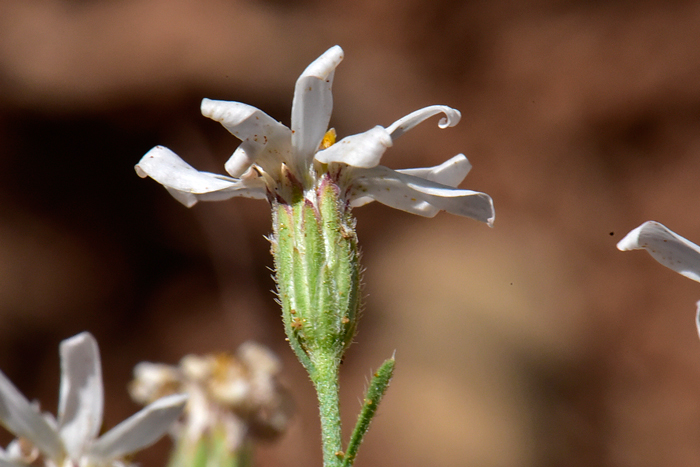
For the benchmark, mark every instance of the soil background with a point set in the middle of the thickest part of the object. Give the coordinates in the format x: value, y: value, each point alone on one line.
x: 535, y: 343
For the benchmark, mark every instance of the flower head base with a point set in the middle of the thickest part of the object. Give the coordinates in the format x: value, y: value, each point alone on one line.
x: 276, y: 162
x: 72, y: 439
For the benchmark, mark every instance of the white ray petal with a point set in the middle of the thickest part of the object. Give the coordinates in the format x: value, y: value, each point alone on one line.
x: 451, y: 172
x: 22, y: 419
x: 167, y: 168
x: 402, y: 125
x: 419, y: 196
x: 242, y: 158
x: 249, y: 124
x: 140, y: 430
x: 312, y: 105
x: 666, y: 247
x: 81, y: 396
x: 188, y: 185
x: 361, y: 150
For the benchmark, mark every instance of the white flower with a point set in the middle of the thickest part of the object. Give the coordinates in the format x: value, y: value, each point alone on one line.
x: 73, y: 440
x: 668, y: 248
x: 274, y: 161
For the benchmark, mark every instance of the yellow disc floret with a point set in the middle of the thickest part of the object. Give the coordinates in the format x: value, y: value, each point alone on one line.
x: 328, y: 139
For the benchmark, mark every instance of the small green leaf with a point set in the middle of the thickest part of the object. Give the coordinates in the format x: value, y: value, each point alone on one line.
x: 377, y: 387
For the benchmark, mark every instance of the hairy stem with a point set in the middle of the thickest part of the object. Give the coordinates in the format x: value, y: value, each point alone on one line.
x: 325, y: 379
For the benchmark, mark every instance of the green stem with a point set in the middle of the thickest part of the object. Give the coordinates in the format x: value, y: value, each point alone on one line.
x: 325, y: 379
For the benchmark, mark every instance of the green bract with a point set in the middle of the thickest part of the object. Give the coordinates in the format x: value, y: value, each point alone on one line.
x: 318, y: 273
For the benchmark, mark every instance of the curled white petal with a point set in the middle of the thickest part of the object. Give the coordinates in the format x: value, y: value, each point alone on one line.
x: 402, y: 125
x: 188, y: 185
x: 81, y: 395
x: 312, y: 105
x: 140, y: 430
x: 24, y: 420
x: 417, y: 195
x: 666, y: 247
x: 361, y: 150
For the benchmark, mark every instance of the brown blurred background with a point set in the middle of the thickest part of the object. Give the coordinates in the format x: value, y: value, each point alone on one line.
x: 535, y: 343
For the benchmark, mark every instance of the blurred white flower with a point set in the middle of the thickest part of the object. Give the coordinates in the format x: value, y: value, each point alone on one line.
x: 276, y: 162
x: 238, y: 397
x: 72, y: 439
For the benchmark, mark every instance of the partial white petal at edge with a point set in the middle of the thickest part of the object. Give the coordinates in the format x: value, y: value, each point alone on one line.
x: 666, y: 247
x: 140, y: 430
x: 22, y: 419
x: 81, y: 397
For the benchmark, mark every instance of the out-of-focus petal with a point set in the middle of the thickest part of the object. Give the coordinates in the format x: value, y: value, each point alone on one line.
x: 6, y: 461
x: 697, y: 318
x: 402, y: 125
x: 22, y: 419
x: 188, y: 185
x: 5, y: 456
x: 666, y: 247
x: 153, y: 380
x: 81, y: 397
x: 361, y: 150
x: 140, y: 430
x: 247, y: 123
x: 21, y: 451
x: 312, y: 105
x: 419, y: 196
